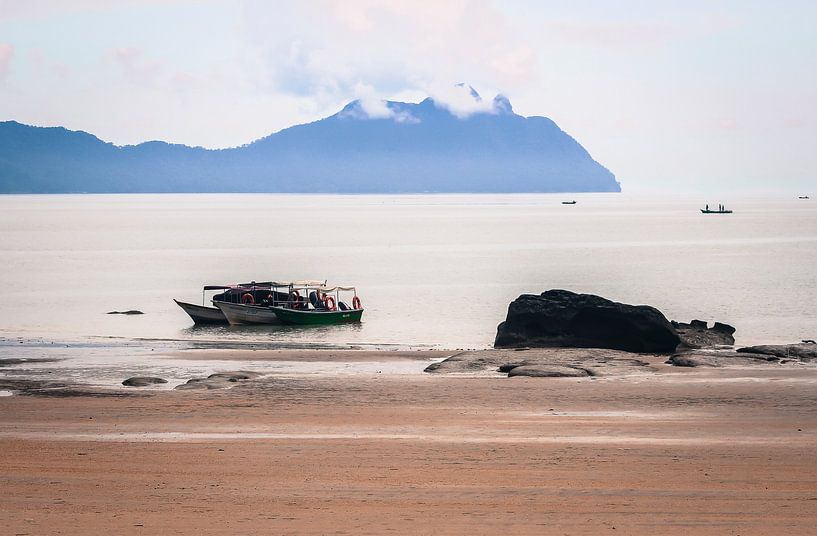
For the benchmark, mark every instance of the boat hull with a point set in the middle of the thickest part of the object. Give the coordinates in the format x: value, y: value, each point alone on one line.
x: 201, y: 314
x: 704, y: 211
x: 317, y: 318
x: 239, y: 314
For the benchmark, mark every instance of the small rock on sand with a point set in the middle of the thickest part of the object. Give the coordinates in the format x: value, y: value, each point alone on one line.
x: 688, y: 361
x: 219, y: 380
x: 547, y: 371
x: 142, y: 381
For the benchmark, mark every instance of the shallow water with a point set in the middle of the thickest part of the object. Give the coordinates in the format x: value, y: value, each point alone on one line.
x: 436, y: 270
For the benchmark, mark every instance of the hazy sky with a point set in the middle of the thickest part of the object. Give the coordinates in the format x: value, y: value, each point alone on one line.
x: 676, y: 95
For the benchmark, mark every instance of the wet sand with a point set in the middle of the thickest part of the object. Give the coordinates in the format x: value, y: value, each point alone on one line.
x: 672, y: 451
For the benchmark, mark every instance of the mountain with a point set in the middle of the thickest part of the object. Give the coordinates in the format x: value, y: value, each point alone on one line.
x: 397, y: 147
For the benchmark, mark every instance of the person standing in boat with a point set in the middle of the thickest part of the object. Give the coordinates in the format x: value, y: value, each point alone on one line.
x: 707, y: 207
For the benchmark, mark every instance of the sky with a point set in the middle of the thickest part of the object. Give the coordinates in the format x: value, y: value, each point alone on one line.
x: 669, y: 95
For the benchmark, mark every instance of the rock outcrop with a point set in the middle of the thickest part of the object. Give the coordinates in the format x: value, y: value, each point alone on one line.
x: 560, y: 318
x: 219, y: 380
x: 800, y: 352
x: 697, y: 334
x: 143, y: 381
x: 720, y: 359
x: 545, y: 362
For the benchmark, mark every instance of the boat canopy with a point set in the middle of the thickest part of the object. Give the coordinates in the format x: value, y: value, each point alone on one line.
x: 263, y: 284
x: 270, y: 284
x: 300, y: 283
x: 333, y: 289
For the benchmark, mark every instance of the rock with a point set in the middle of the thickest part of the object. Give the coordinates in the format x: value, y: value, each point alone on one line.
x: 800, y: 351
x: 560, y: 318
x: 724, y: 328
x: 697, y: 334
x: 722, y: 358
x: 433, y: 367
x: 219, y: 380
x: 594, y: 361
x: 130, y: 312
x: 234, y: 376
x: 680, y: 360
x: 547, y: 371
x: 142, y: 381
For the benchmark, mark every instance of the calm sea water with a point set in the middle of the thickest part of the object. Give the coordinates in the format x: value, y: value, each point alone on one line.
x: 434, y: 270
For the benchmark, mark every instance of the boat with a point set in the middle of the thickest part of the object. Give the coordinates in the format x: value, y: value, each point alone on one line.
x: 239, y: 313
x: 255, y: 304
x: 202, y: 314
x: 721, y: 210
x: 802, y: 197
x: 324, y: 307
x: 569, y: 202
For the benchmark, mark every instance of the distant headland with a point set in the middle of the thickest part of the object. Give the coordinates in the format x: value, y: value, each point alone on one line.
x: 397, y: 148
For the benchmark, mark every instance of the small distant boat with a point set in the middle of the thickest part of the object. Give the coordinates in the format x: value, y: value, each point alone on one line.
x: 202, y: 314
x: 326, y: 308
x: 721, y: 210
x: 803, y: 197
x: 569, y: 202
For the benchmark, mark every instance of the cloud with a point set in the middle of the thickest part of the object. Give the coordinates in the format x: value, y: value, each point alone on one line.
x: 47, y: 65
x: 136, y: 67
x: 460, y: 99
x: 6, y: 55
x: 370, y: 106
x: 325, y: 50
x: 39, y: 9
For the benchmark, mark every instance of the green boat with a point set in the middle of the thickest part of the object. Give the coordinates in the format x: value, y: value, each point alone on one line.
x: 315, y: 317
x: 323, y: 307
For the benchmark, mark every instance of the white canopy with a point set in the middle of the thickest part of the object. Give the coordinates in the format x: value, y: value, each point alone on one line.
x: 299, y: 283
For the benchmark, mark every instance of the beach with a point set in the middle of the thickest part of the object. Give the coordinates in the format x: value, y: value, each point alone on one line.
x: 391, y: 449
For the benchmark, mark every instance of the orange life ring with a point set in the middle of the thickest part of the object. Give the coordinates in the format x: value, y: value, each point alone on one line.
x: 247, y: 299
x: 356, y: 303
x: 327, y: 300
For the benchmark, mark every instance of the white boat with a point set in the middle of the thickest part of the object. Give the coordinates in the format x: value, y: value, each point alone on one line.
x: 201, y: 314
x: 258, y: 311
x: 239, y: 313
x: 252, y: 292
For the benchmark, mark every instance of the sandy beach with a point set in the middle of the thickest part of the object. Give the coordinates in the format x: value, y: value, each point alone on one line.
x: 669, y: 451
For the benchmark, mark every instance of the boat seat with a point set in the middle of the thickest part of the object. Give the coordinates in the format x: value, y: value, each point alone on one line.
x: 316, y: 303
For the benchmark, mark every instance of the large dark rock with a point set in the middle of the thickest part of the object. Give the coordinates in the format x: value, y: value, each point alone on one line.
x: 566, y: 319
x: 697, y: 334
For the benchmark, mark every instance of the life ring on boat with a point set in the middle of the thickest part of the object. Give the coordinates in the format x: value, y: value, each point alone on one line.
x: 247, y: 299
x: 329, y: 303
x: 356, y: 303
x: 294, y: 301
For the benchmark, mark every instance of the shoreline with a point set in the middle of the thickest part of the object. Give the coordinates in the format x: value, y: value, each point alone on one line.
x: 726, y: 450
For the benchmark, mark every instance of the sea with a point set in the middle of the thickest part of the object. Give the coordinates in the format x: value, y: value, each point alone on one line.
x: 432, y: 271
